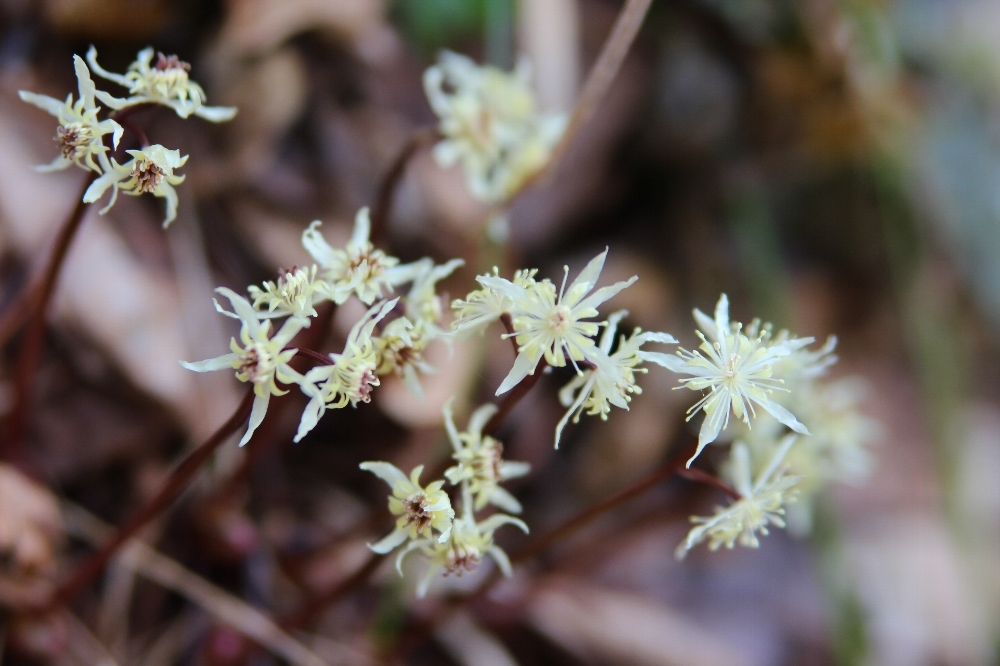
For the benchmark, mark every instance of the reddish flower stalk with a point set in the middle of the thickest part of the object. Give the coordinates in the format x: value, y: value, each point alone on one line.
x: 31, y: 346
x: 382, y: 210
x: 176, y: 483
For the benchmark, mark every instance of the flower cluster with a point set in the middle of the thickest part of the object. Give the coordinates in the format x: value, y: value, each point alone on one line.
x: 408, y: 324
x: 82, y: 138
x: 804, y: 435
x: 558, y: 326
x: 426, y: 521
x: 490, y: 124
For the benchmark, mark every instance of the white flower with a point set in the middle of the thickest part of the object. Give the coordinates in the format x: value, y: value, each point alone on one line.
x: 359, y: 268
x: 464, y: 549
x: 400, y: 351
x: 611, y: 380
x: 295, y: 294
x: 80, y: 135
x: 761, y: 504
x: 490, y: 123
x: 737, y: 371
x: 166, y: 82
x: 150, y: 170
x: 420, y: 510
x: 351, y: 376
x: 422, y: 305
x: 550, y: 324
x: 261, y: 360
x: 480, y: 461
x: 484, y: 306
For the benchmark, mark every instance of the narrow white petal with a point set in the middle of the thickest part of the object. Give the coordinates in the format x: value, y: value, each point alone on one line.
x: 498, y: 520
x: 44, y: 102
x: 783, y: 415
x: 215, y: 114
x: 385, y: 471
x: 503, y: 499
x: 587, y: 278
x: 523, y: 366
x: 310, y: 416
x: 316, y: 245
x: 219, y: 363
x: 500, y: 557
x: 256, y: 416
x: 604, y: 294
x: 362, y: 228
x: 481, y: 417
x: 100, y: 186
x: 390, y: 542
x: 170, y: 194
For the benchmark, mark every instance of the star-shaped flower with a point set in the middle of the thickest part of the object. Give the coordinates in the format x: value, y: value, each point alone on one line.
x: 151, y: 170
x: 551, y: 324
x: 262, y: 360
x: 164, y: 82
x: 420, y: 510
x: 80, y: 135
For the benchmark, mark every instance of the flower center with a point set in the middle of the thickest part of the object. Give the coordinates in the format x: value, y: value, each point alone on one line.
x: 148, y: 175
x: 560, y: 319
x: 462, y: 558
x: 72, y: 138
x: 256, y: 365
x: 416, y: 511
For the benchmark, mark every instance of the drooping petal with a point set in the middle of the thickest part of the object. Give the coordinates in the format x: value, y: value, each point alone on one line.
x: 523, y: 366
x: 256, y: 416
x: 716, y: 415
x: 504, y: 500
x: 170, y: 194
x: 391, y: 541
x: 215, y: 114
x: 783, y: 415
x: 503, y: 562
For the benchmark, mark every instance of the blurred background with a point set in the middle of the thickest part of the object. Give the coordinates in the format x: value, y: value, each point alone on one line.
x: 832, y: 165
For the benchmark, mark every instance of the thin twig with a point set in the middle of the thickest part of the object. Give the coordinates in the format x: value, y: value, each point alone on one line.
x: 31, y: 347
x: 222, y: 605
x: 603, y: 73
x: 176, y: 483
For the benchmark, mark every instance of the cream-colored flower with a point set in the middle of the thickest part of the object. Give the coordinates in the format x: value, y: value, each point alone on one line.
x: 737, y: 371
x: 762, y: 503
x: 463, y: 551
x: 80, y: 135
x: 484, y: 306
x: 421, y: 304
x: 490, y: 124
x: 295, y: 293
x: 420, y: 510
x: 611, y: 379
x: 480, y: 461
x: 261, y: 361
x: 359, y: 268
x: 351, y: 376
x: 164, y: 82
x: 151, y: 170
x: 551, y: 324
x: 400, y: 351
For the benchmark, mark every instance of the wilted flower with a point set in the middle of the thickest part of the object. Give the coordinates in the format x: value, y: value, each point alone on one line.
x: 151, y: 170
x: 294, y: 293
x: 480, y: 461
x: 80, y: 135
x: 261, y: 361
x: 464, y: 549
x: 359, y: 268
x: 491, y: 125
x: 164, y: 82
x: 550, y: 324
x: 737, y: 371
x: 420, y: 510
x: 611, y: 380
x: 351, y: 376
x: 761, y: 503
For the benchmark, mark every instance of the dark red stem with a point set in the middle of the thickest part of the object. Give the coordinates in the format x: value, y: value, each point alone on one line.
x: 382, y: 210
x: 31, y: 347
x: 312, y: 609
x: 176, y: 483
